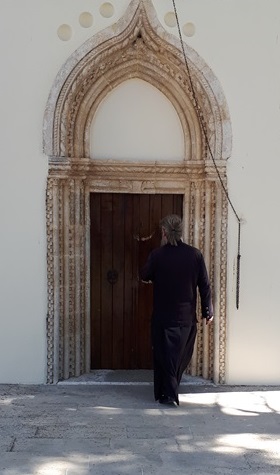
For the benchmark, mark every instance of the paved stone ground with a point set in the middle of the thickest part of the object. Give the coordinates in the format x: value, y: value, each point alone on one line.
x: 120, y: 430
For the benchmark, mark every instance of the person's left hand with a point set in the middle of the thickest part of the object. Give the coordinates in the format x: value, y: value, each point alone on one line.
x: 209, y: 320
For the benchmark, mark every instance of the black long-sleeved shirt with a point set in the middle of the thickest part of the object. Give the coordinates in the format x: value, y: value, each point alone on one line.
x: 177, y: 272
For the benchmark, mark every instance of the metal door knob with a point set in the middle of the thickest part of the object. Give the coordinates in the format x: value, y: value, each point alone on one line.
x: 112, y: 276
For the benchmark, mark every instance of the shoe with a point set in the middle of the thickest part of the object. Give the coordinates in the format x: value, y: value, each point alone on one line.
x: 167, y: 400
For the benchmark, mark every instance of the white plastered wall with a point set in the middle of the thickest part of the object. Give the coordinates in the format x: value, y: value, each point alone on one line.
x: 149, y: 128
x: 239, y: 40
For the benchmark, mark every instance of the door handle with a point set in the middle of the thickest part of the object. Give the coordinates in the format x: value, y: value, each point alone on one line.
x: 138, y: 238
x: 112, y: 276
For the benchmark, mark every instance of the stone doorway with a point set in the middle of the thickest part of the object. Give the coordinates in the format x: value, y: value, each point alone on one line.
x: 137, y: 48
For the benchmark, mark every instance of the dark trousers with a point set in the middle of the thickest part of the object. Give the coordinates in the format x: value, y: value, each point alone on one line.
x: 172, y: 352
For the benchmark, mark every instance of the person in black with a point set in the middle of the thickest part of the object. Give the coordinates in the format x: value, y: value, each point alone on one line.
x: 176, y: 270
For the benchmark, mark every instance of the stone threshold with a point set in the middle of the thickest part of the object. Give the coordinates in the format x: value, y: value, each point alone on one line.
x: 128, y: 378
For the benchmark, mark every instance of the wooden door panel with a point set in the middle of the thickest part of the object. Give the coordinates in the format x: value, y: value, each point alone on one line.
x: 118, y: 260
x: 124, y: 229
x: 95, y: 237
x: 128, y: 284
x: 106, y: 286
x: 144, y: 291
x: 135, y: 268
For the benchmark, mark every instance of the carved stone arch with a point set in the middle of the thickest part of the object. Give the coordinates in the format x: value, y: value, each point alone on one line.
x: 135, y: 47
x: 182, y: 105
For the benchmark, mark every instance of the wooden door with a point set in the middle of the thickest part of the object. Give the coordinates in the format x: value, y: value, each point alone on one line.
x: 124, y: 229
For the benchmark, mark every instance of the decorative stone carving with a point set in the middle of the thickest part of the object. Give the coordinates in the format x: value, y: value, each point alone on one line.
x: 137, y: 46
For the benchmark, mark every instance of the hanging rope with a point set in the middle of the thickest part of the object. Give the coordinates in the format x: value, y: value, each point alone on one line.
x: 204, y: 130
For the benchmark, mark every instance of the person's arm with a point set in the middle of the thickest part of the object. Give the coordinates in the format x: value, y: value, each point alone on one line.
x: 205, y: 292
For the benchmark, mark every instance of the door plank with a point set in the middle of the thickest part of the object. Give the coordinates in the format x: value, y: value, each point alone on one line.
x: 118, y: 287
x: 144, y: 290
x: 178, y: 205
x: 106, y: 287
x: 129, y: 245
x: 135, y: 280
x: 166, y: 205
x: 95, y: 269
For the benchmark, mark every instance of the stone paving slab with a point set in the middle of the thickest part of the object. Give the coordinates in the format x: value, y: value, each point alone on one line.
x: 120, y: 430
x: 62, y: 447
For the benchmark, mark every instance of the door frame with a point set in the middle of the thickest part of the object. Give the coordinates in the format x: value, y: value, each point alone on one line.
x: 68, y: 229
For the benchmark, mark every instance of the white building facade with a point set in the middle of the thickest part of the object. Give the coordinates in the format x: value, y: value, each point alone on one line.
x: 96, y: 99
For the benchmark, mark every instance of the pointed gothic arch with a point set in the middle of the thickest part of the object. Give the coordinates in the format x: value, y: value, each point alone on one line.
x: 136, y: 47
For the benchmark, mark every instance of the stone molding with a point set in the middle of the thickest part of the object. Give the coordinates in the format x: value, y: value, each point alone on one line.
x: 137, y: 46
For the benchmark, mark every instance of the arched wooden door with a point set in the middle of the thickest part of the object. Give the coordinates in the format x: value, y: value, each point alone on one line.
x: 124, y: 229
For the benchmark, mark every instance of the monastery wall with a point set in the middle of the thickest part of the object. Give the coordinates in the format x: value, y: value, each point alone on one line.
x: 239, y: 41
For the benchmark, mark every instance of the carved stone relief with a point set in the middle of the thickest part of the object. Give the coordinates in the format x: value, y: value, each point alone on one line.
x: 137, y: 47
